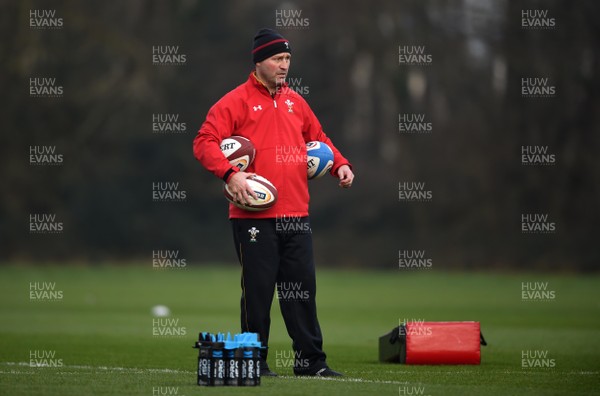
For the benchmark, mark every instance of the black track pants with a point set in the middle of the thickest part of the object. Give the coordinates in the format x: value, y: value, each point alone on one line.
x: 278, y: 254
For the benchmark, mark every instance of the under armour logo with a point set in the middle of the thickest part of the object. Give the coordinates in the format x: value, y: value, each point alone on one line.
x: 287, y: 45
x: 253, y: 232
x: 259, y: 107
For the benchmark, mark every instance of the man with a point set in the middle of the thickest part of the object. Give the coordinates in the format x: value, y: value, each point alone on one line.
x: 278, y: 121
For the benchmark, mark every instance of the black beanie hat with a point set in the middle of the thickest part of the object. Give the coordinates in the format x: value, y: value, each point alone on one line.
x: 267, y: 43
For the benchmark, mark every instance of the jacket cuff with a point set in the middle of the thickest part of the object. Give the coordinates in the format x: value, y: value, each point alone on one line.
x: 229, y: 173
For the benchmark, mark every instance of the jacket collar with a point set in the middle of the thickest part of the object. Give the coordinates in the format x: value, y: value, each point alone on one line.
x: 258, y: 84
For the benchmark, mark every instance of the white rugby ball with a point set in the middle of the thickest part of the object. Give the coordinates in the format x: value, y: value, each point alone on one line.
x: 160, y: 311
x: 319, y: 158
x: 239, y: 151
x: 264, y: 190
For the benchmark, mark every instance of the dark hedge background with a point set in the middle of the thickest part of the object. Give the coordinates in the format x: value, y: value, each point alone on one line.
x: 346, y: 56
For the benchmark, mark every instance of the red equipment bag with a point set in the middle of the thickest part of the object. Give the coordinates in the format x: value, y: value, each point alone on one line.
x: 433, y: 343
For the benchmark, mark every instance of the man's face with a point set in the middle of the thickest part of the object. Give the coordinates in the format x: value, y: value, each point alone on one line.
x: 273, y: 71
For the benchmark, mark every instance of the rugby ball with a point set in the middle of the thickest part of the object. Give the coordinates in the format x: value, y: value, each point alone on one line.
x: 161, y: 311
x: 319, y: 158
x: 264, y: 190
x: 239, y: 151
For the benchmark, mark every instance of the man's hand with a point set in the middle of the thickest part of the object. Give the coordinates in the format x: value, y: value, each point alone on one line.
x: 240, y: 188
x: 346, y: 176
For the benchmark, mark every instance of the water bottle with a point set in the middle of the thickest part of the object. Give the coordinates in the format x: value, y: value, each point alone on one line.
x: 218, y: 364
x: 204, y: 345
x: 232, y: 362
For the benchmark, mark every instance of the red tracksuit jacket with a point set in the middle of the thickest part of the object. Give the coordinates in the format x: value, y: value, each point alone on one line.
x: 279, y: 127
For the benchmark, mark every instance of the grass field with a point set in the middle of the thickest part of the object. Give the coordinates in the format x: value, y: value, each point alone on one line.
x: 100, y: 333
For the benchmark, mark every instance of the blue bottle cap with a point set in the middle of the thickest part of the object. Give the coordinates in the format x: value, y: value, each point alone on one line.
x: 229, y: 344
x: 248, y: 340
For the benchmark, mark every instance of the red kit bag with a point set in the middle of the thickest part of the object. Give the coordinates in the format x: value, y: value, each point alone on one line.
x: 433, y: 343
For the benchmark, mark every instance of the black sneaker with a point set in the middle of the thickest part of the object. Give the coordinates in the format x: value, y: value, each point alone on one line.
x: 327, y: 372
x: 265, y: 371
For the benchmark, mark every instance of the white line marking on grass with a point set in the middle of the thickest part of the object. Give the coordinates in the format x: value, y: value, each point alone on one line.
x: 17, y: 372
x: 105, y: 368
x: 343, y: 379
x: 138, y: 370
x: 509, y: 372
x: 171, y: 371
